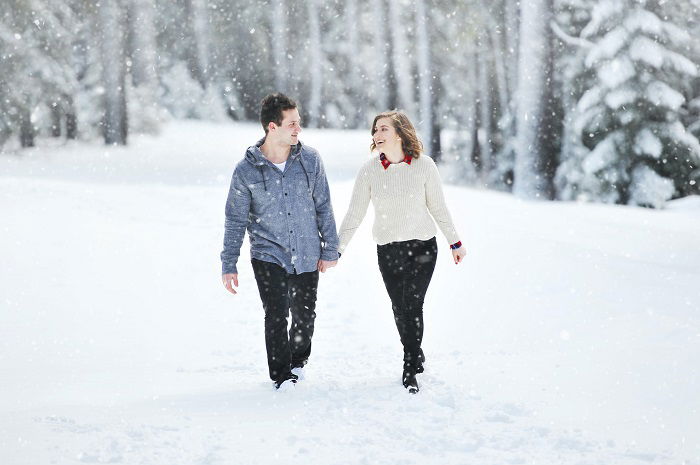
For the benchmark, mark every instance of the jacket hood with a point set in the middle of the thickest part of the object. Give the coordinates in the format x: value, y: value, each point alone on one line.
x: 256, y: 158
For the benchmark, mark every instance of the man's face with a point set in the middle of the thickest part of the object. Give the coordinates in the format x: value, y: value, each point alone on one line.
x: 288, y: 131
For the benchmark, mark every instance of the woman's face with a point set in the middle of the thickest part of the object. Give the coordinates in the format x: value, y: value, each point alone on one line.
x: 385, y: 136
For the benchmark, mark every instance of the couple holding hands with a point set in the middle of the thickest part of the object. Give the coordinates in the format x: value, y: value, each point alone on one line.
x: 280, y: 195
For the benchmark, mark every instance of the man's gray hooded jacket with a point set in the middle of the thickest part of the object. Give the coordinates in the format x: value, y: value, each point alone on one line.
x: 288, y: 214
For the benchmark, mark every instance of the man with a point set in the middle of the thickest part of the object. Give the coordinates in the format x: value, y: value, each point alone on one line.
x: 279, y: 193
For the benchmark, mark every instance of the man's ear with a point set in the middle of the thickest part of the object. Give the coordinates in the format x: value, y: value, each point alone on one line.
x: 271, y: 125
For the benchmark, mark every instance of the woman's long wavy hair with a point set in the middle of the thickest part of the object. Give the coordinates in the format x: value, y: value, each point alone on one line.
x: 410, y: 144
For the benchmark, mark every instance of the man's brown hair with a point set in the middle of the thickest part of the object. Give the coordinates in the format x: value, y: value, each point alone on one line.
x: 272, y: 107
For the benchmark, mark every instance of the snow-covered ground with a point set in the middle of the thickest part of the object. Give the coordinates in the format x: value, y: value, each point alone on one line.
x: 571, y: 334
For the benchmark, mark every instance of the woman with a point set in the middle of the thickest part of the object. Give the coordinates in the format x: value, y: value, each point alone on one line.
x: 406, y: 192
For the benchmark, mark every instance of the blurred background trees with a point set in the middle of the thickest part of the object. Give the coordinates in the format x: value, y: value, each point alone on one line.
x: 555, y: 99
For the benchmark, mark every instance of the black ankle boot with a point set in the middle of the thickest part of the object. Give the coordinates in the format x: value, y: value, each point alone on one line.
x: 409, y: 381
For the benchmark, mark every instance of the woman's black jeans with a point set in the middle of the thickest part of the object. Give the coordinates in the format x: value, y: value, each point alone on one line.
x: 406, y: 268
x: 281, y: 292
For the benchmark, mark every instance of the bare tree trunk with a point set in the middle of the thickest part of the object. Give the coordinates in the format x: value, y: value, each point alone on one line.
x: 512, y: 32
x: 424, y: 74
x: 198, y: 56
x: 435, y: 144
x: 315, y: 69
x: 279, y: 44
x: 400, y: 58
x: 385, y: 88
x: 354, y: 86
x: 531, y: 177
x: 485, y: 114
x: 472, y: 123
x: 56, y: 116
x: 499, y: 67
x: 512, y: 41
x: 143, y: 41
x: 26, y: 127
x: 71, y: 119
x: 113, y: 72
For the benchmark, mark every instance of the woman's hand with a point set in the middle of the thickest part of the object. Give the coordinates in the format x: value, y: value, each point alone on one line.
x: 458, y: 254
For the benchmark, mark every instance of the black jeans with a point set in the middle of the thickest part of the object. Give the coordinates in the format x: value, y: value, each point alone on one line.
x: 281, y: 292
x: 406, y: 268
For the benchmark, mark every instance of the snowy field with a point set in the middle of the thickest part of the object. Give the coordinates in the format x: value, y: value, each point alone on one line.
x: 570, y: 335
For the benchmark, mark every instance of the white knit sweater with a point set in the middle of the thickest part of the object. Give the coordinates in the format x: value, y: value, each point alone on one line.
x: 404, y: 198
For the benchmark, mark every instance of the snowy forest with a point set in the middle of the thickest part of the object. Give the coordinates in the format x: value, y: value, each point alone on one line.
x: 592, y: 100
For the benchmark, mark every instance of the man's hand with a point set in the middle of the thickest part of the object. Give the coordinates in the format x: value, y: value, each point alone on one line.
x: 458, y: 254
x: 228, y: 279
x: 323, y: 265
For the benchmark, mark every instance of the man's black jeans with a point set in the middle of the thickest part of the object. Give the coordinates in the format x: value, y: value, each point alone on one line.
x: 406, y: 268
x: 281, y: 292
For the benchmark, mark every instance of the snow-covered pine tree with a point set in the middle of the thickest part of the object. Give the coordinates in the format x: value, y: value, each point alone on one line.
x: 36, y: 73
x: 144, y: 111
x: 632, y: 146
x: 686, y: 14
x: 571, y: 17
x: 15, y: 53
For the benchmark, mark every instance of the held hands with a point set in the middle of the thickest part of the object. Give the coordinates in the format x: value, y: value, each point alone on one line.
x: 458, y: 254
x: 323, y: 265
x: 230, y: 281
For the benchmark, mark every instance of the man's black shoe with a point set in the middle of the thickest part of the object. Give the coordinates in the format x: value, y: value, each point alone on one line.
x: 281, y: 383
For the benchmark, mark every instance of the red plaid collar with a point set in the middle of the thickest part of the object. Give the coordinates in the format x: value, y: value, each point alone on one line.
x: 385, y: 163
